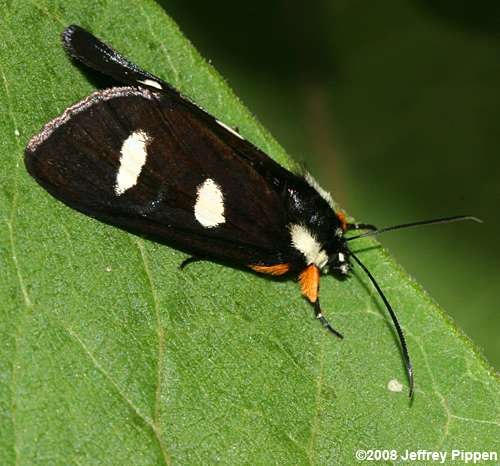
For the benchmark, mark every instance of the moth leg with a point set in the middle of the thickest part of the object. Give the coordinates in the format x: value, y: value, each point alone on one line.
x: 353, y: 226
x: 360, y: 226
x: 309, y: 283
x: 190, y: 260
x: 324, y: 321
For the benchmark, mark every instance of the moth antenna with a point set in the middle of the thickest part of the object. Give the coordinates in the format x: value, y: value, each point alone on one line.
x: 399, y: 330
x: 456, y: 218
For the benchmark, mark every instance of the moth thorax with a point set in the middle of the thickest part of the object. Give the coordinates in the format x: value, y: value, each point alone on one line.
x: 304, y: 240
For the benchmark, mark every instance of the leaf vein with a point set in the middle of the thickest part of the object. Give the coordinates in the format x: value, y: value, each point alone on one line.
x: 149, y: 423
x: 311, y: 448
x: 161, y: 352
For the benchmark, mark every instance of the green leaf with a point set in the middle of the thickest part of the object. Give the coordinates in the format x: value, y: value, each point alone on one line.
x: 111, y: 355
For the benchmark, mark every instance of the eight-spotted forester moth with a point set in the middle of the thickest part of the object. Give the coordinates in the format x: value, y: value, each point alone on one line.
x: 147, y: 159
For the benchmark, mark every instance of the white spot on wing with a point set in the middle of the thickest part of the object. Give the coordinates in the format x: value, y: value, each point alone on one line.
x: 209, y: 207
x: 314, y: 184
x: 150, y: 82
x: 395, y: 385
x: 231, y: 130
x: 133, y: 158
x: 304, y: 241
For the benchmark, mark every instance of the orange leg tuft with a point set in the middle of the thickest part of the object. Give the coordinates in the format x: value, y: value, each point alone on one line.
x: 309, y: 283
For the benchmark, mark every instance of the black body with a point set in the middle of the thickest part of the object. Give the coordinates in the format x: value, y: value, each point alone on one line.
x: 76, y: 157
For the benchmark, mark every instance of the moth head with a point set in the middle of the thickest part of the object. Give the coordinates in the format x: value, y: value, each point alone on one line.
x: 338, y: 255
x: 338, y: 261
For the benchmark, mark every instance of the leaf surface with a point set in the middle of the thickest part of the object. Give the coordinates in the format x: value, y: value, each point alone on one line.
x: 111, y: 355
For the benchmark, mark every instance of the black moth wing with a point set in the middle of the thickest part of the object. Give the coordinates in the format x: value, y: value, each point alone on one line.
x: 77, y: 156
x: 88, y: 49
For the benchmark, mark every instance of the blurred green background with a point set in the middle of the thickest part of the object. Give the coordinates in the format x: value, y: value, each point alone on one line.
x: 395, y: 107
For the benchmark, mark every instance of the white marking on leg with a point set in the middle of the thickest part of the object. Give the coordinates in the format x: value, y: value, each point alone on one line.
x: 304, y: 241
x: 209, y: 207
x: 150, y: 82
x: 133, y: 158
x: 231, y: 130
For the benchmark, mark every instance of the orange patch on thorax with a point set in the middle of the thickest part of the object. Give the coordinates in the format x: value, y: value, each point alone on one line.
x: 343, y: 220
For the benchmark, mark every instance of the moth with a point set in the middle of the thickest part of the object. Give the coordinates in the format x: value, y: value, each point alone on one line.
x: 149, y: 160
